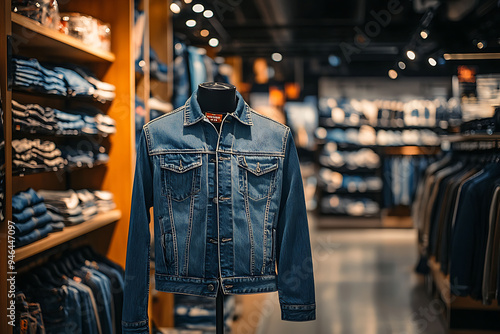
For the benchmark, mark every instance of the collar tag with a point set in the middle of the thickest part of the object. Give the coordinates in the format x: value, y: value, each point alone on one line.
x: 214, y: 118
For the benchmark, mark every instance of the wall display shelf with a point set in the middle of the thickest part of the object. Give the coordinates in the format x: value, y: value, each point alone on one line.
x: 30, y: 35
x: 68, y: 233
x: 21, y: 36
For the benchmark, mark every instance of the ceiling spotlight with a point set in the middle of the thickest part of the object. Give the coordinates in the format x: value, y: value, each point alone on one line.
x: 424, y: 34
x: 432, y: 61
x: 198, y: 8
x: 204, y: 33
x: 188, y: 1
x: 208, y: 13
x: 480, y: 45
x: 277, y: 57
x: 401, y: 65
x: 213, y: 42
x: 411, y: 55
x: 392, y: 74
x: 191, y: 23
x: 175, y: 8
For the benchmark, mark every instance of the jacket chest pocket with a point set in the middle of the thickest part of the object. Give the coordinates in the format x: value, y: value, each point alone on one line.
x: 181, y: 175
x: 257, y: 176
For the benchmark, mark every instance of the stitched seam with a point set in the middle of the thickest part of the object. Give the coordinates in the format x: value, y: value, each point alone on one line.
x: 285, y: 139
x: 249, y: 223
x: 174, y: 235
x: 190, y: 226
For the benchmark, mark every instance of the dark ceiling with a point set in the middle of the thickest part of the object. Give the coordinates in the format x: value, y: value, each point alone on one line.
x: 363, y: 34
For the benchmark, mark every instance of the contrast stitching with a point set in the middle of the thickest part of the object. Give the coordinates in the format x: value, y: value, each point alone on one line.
x: 249, y: 223
x: 174, y: 235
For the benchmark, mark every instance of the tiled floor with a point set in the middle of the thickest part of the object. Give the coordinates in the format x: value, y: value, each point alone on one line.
x: 364, y: 285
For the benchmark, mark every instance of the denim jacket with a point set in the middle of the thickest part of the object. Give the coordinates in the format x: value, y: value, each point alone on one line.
x: 229, y: 211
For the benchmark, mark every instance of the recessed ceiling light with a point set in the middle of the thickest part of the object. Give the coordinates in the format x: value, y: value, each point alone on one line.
x: 411, y: 55
x: 213, y: 42
x: 204, y: 33
x: 208, y: 13
x: 392, y: 74
x: 277, y: 57
x: 175, y: 8
x: 191, y: 23
x: 401, y: 65
x: 198, y: 8
x: 432, y: 61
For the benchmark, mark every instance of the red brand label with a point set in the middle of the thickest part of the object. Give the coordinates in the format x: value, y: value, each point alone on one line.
x: 214, y: 118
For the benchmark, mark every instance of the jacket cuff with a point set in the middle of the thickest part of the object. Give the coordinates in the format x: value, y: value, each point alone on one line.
x: 298, y: 312
x: 139, y: 327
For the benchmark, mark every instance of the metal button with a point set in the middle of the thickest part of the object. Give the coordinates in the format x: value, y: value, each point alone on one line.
x: 211, y: 287
x: 215, y: 200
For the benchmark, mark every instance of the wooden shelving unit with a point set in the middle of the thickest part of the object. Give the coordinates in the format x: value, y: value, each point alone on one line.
x: 67, y: 234
x: 31, y: 37
x: 24, y: 37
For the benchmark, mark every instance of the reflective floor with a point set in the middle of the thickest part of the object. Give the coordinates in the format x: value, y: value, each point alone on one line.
x: 364, y: 285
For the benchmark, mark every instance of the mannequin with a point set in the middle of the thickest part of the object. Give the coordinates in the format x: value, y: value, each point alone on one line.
x: 216, y: 99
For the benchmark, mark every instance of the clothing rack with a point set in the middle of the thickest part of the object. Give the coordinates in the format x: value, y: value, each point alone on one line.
x: 464, y: 314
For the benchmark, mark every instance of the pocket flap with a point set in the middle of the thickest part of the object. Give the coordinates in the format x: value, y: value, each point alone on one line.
x: 180, y: 163
x: 258, y: 165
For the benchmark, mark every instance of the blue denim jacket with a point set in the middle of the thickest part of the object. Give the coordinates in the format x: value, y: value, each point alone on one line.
x: 229, y: 210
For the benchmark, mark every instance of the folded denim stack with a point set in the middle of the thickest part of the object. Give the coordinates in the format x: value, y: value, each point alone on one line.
x: 33, y: 118
x: 104, y: 200
x: 77, y: 206
x: 36, y: 155
x: 84, y: 154
x: 351, y: 160
x: 31, y: 218
x: 344, y: 205
x: 335, y: 182
x: 30, y: 75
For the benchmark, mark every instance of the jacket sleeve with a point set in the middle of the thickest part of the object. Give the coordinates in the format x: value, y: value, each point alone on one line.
x: 135, y: 298
x: 293, y: 248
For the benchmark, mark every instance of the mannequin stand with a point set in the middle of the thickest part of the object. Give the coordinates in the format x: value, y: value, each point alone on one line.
x: 219, y: 312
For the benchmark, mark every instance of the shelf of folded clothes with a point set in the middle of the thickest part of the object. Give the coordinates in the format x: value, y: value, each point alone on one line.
x: 20, y: 172
x: 65, y: 81
x: 46, y: 218
x: 345, y: 205
x: 53, y: 44
x: 470, y: 137
x: 84, y: 121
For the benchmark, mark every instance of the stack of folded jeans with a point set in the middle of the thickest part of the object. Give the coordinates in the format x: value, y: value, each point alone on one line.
x: 30, y: 75
x: 333, y: 182
x: 31, y: 218
x: 33, y: 118
x: 345, y: 205
x: 84, y: 154
x: 77, y: 206
x: 104, y: 200
x: 350, y: 160
x: 36, y: 155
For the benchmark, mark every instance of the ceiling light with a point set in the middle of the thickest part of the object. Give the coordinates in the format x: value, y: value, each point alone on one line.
x: 471, y: 56
x: 175, y: 8
x: 277, y: 57
x: 480, y: 45
x: 204, y: 33
x: 411, y: 55
x: 191, y: 23
x: 213, y: 42
x: 401, y: 65
x: 208, y: 13
x: 432, y: 61
x: 198, y: 8
x: 188, y: 1
x: 392, y: 74
x: 424, y: 34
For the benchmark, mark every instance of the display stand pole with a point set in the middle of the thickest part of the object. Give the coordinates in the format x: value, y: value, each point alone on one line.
x: 219, y: 312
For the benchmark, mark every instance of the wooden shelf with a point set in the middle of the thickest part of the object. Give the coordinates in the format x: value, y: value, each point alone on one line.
x: 68, y: 233
x: 477, y: 137
x: 31, y: 35
x: 412, y: 150
x: 442, y: 283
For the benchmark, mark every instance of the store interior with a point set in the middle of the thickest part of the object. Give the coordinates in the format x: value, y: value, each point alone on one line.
x: 394, y: 109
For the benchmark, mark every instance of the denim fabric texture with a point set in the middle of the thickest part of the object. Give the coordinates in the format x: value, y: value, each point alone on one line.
x: 229, y: 210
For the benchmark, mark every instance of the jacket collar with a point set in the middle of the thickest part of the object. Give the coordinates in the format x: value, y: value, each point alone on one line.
x: 193, y: 113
